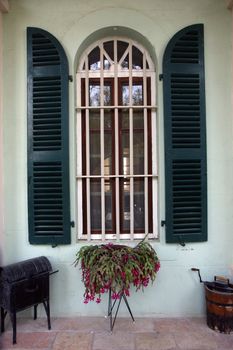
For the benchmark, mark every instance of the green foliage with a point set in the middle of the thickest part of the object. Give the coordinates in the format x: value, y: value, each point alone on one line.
x: 116, y: 267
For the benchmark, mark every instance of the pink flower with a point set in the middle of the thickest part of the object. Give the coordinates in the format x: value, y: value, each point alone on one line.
x: 102, y: 290
x: 85, y: 301
x: 115, y: 296
x: 98, y: 300
x: 157, y: 266
x: 123, y: 275
x: 126, y: 291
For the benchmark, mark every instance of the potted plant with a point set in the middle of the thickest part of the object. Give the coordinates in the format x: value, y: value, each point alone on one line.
x: 115, y: 268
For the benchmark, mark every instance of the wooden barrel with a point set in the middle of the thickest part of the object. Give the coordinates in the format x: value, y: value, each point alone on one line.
x: 219, y: 307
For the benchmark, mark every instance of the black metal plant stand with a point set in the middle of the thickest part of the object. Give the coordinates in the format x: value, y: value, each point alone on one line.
x: 111, y: 307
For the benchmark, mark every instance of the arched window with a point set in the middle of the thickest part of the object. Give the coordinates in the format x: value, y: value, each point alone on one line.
x: 116, y: 142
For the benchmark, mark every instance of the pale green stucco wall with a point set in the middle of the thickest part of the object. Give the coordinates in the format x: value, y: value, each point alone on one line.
x: 176, y: 291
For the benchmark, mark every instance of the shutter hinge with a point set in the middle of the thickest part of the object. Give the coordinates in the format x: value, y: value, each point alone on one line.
x: 72, y: 224
x: 70, y: 77
x: 181, y: 242
x: 160, y: 77
x: 163, y: 223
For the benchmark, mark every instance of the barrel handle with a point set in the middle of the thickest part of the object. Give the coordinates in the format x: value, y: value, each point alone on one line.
x: 198, y: 271
x: 221, y: 279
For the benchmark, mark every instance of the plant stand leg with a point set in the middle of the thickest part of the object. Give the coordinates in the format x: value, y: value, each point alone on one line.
x: 111, y: 308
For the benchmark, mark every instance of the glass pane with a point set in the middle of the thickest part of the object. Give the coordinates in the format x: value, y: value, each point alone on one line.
x: 138, y: 153
x: 95, y: 204
x: 137, y: 58
x: 94, y: 97
x: 108, y: 206
x: 107, y: 64
x: 109, y: 48
x: 125, y: 63
x: 94, y: 120
x: 139, y: 208
x: 108, y: 120
x: 138, y: 119
x: 95, y: 153
x: 125, y: 119
x: 125, y: 200
x: 107, y: 95
x: 121, y: 48
x: 94, y: 59
x: 137, y: 95
x: 107, y: 154
x: 125, y: 170
x: 125, y: 95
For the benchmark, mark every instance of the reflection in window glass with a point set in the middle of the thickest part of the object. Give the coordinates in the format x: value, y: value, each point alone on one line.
x: 139, y: 203
x: 107, y: 64
x: 125, y: 63
x: 108, y: 205
x: 125, y: 200
x: 137, y: 58
x: 138, y: 153
x: 108, y: 154
x: 95, y: 153
x: 95, y: 204
x: 125, y: 155
x: 94, y: 95
x: 137, y: 95
x: 94, y: 59
x: 94, y: 120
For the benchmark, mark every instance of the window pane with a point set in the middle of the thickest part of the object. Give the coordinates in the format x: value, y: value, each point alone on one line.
x: 94, y: 120
x: 121, y: 48
x: 95, y: 153
x: 125, y: 170
x: 125, y: 204
x: 108, y: 120
x: 138, y: 119
x: 108, y: 206
x: 125, y: 119
x: 137, y: 95
x: 137, y: 58
x: 125, y: 63
x: 95, y: 204
x: 107, y: 64
x: 107, y: 95
x: 107, y: 154
x: 138, y: 153
x: 94, y: 59
x: 108, y: 47
x: 139, y: 210
x: 94, y: 93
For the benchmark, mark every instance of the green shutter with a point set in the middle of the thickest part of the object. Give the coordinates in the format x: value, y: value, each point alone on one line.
x: 48, y: 140
x: 185, y: 137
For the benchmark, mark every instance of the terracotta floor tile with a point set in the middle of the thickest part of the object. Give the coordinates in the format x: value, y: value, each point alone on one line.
x: 28, y: 340
x: 196, y: 340
x: 140, y: 325
x: 73, y: 341
x: 87, y: 324
x: 155, y: 341
x: 114, y: 341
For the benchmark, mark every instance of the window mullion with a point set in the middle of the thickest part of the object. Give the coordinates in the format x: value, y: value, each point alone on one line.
x: 145, y: 115
x: 116, y: 123
x: 131, y: 144
x: 87, y: 151
x: 102, y: 141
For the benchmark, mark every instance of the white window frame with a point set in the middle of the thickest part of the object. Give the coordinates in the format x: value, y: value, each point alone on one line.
x: 116, y: 73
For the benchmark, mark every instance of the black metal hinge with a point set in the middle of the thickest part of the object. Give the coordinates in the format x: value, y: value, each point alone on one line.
x: 163, y: 223
x: 160, y: 77
x: 70, y: 78
x: 72, y: 224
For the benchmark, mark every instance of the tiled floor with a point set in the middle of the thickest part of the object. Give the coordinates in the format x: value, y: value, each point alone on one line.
x: 93, y: 334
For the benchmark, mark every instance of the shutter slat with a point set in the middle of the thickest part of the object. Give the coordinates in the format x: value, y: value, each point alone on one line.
x: 185, y: 141
x: 48, y: 139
